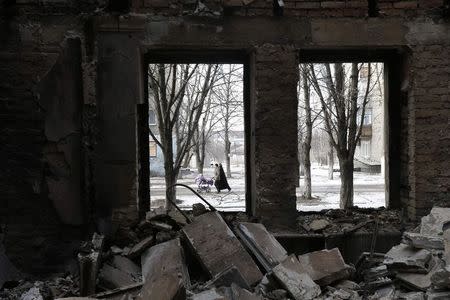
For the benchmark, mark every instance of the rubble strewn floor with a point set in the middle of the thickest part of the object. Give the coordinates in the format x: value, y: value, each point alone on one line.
x: 213, y: 256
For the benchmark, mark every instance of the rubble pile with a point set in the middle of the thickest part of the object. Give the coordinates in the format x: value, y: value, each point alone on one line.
x: 338, y: 221
x: 208, y: 257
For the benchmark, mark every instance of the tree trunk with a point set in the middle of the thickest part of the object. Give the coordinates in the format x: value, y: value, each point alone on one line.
x: 307, y: 168
x: 308, y: 136
x: 227, y: 153
x: 346, y: 193
x: 170, y: 180
x: 330, y: 160
x: 170, y: 175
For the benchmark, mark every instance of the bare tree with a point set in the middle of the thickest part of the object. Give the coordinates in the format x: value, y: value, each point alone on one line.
x: 177, y: 94
x: 343, y: 114
x: 306, y: 123
x: 203, y: 132
x: 228, y: 96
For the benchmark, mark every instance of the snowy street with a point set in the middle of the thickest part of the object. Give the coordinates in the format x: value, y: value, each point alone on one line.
x: 369, y: 191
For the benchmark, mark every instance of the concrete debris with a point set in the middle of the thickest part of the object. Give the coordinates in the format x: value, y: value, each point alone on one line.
x: 432, y: 223
x: 140, y: 247
x: 164, y: 271
x: 438, y: 295
x: 161, y: 225
x: 223, y: 269
x: 446, y: 235
x: 419, y: 281
x: 384, y: 293
x: 263, y: 245
x: 411, y: 296
x: 126, y: 265
x: 157, y: 213
x: 131, y: 290
x: 325, y: 266
x: 198, y: 209
x: 212, y: 294
x: 89, y: 262
x: 423, y: 241
x: 441, y: 277
x: 111, y: 278
x: 40, y: 291
x: 278, y: 294
x: 163, y: 236
x: 293, y: 278
x: 227, y: 277
x: 116, y: 250
x: 408, y: 259
x: 267, y: 285
x: 319, y: 225
x: 217, y: 247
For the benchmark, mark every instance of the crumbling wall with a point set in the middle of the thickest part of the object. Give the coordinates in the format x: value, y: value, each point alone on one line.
x: 298, y: 8
x: 71, y: 150
x: 429, y: 117
x: 42, y: 171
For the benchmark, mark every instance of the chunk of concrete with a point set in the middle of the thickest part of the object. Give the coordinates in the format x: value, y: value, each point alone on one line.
x: 438, y: 295
x: 384, y: 293
x: 227, y: 277
x: 164, y: 271
x: 407, y: 259
x: 432, y: 224
x: 217, y: 247
x: 441, y: 277
x: 447, y: 243
x: 319, y: 225
x: 243, y: 294
x: 157, y: 213
x: 263, y: 245
x: 126, y: 265
x: 295, y: 280
x: 419, y: 281
x: 325, y: 266
x: 212, y: 294
x: 198, y: 209
x: 111, y: 278
x: 161, y: 225
x: 140, y: 247
x: 423, y: 241
x: 411, y: 296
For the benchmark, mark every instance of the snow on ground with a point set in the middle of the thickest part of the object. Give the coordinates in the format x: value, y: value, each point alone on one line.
x: 369, y: 191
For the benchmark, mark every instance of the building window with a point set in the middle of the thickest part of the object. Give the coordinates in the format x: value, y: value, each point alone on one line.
x: 367, y: 116
x: 364, y: 72
x: 152, y: 146
x: 151, y: 117
x: 365, y: 148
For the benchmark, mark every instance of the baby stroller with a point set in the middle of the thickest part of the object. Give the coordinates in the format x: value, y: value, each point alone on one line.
x: 203, y: 184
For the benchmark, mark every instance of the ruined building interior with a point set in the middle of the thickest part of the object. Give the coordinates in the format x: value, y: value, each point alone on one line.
x: 75, y: 215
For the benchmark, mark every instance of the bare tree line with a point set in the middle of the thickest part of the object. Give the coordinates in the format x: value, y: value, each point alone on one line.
x: 190, y: 101
x: 340, y: 112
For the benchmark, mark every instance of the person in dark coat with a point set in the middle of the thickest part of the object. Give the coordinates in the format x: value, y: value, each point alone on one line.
x: 220, y: 179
